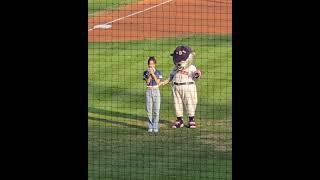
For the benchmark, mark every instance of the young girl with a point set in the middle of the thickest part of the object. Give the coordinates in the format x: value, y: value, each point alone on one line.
x: 152, y: 78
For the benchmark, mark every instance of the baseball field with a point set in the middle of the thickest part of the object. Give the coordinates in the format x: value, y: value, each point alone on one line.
x: 119, y: 146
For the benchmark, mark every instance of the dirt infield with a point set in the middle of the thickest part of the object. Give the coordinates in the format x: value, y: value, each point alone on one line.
x: 175, y: 18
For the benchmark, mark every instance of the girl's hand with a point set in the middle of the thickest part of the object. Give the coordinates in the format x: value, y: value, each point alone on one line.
x: 151, y: 71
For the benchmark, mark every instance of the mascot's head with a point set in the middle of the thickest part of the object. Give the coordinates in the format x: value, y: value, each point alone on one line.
x: 183, y: 57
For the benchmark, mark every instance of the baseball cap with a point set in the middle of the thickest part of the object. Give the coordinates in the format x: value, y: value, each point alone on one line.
x: 181, y: 53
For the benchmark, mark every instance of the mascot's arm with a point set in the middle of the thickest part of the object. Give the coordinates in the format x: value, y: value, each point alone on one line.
x: 169, y: 79
x: 164, y: 82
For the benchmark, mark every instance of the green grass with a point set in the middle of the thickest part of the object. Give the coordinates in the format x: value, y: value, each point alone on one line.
x: 106, y: 5
x: 119, y: 146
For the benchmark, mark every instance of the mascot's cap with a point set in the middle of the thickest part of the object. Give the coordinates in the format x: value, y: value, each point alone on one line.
x: 181, y: 53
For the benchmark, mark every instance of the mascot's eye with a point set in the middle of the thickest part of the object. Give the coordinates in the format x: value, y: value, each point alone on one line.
x: 180, y: 52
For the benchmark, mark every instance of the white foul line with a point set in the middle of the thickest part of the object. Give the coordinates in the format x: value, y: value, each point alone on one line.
x: 109, y: 23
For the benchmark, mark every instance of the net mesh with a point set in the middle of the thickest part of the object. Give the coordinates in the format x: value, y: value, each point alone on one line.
x: 122, y: 35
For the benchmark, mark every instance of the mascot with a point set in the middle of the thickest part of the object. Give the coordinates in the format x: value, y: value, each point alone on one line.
x: 184, y: 91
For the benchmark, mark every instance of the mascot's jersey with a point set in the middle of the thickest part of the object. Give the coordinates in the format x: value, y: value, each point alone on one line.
x: 185, y: 75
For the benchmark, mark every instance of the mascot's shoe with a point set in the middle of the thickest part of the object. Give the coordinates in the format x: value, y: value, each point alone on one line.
x: 192, y: 124
x: 178, y: 124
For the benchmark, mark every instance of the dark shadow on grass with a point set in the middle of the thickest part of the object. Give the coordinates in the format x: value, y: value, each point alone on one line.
x: 120, y: 114
x: 117, y: 123
x: 116, y: 114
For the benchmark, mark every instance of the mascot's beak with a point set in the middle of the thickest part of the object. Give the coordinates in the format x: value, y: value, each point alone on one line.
x: 180, y: 66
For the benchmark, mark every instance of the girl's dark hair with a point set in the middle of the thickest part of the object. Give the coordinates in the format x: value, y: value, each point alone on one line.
x: 152, y: 58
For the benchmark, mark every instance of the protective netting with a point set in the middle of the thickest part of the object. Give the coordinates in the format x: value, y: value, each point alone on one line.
x: 123, y: 34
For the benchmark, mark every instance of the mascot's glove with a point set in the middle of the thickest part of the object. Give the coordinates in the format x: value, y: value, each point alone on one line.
x: 197, y: 74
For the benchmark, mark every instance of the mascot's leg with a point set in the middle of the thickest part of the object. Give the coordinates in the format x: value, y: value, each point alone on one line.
x: 191, y: 100
x: 178, y: 105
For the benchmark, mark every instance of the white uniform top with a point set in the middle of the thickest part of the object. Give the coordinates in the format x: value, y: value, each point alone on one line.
x: 185, y: 75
